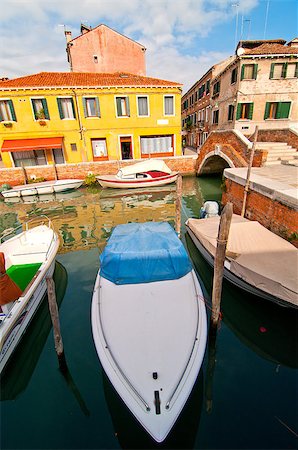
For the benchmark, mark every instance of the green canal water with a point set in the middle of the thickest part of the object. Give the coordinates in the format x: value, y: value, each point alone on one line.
x: 245, y: 396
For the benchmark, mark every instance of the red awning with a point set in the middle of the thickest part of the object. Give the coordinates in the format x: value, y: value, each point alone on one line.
x: 21, y: 145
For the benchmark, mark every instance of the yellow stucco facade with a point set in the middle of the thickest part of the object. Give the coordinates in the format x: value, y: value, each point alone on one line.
x: 85, y: 137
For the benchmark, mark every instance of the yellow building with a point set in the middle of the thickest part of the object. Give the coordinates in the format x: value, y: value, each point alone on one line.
x: 79, y: 117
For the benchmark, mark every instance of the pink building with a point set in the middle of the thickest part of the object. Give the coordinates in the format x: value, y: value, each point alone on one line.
x: 104, y: 50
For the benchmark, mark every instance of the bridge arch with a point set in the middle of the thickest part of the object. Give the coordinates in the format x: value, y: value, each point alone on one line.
x: 214, y: 162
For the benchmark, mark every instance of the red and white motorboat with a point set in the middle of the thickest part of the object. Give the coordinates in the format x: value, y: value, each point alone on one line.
x: 149, y: 173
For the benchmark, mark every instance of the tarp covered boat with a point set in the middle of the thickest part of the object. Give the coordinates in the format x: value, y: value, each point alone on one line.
x: 257, y: 260
x: 149, y: 322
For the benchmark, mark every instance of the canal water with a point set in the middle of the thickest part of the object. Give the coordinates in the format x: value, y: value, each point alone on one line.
x: 246, y: 394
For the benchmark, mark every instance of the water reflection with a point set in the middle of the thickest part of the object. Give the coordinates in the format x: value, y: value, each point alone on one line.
x: 84, y: 218
x: 266, y: 328
x: 22, y: 363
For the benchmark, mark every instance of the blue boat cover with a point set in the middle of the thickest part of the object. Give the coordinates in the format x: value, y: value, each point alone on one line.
x: 142, y: 253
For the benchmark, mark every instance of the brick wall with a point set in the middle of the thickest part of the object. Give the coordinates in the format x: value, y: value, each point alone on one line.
x: 285, y: 135
x: 277, y: 217
x: 15, y: 176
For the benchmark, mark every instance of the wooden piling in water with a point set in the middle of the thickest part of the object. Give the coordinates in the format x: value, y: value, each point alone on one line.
x: 222, y: 238
x: 56, y: 324
x: 24, y: 173
x: 55, y: 171
x: 246, y: 188
x: 178, y: 203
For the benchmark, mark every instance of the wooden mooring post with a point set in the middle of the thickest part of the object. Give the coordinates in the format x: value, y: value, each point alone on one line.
x: 56, y: 324
x: 24, y: 173
x: 178, y: 203
x: 55, y: 171
x: 220, y: 254
x: 246, y: 188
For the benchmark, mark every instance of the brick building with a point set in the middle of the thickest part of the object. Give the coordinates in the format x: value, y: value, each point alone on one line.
x: 104, y: 50
x: 256, y: 86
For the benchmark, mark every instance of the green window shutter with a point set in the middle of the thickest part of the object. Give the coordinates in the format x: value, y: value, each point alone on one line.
x: 296, y: 71
x: 1, y: 116
x: 283, y: 110
x: 34, y: 109
x: 239, y: 108
x: 97, y: 106
x: 284, y: 70
x: 60, y: 108
x: 85, y: 107
x: 271, y: 71
x: 45, y: 108
x: 267, y: 109
x: 127, y: 105
x: 118, y: 104
x: 242, y: 71
x: 255, y: 71
x: 250, y: 111
x: 73, y: 108
x: 12, y: 111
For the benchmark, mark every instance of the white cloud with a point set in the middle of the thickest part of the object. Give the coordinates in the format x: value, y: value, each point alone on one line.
x: 32, y: 41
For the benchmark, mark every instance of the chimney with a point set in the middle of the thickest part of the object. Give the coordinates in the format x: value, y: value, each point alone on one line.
x: 68, y: 36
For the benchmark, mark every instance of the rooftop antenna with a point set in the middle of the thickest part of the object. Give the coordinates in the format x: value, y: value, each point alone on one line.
x: 236, y: 5
x: 266, y: 19
x: 248, y: 28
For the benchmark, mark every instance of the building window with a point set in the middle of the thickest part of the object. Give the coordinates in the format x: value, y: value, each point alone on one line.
x: 91, y: 107
x: 7, y: 112
x: 216, y: 88
x: 95, y: 59
x: 244, y: 111
x: 168, y: 105
x: 202, y: 91
x: 152, y: 145
x: 99, y: 148
x: 40, y: 108
x: 207, y: 87
x: 234, y: 76
x: 66, y: 108
x: 292, y: 70
x: 231, y: 112
x: 278, y: 70
x: 277, y: 110
x: 58, y: 156
x: 249, y: 71
x: 143, y: 109
x: 215, y: 116
x: 29, y: 158
x: 73, y: 147
x: 122, y: 106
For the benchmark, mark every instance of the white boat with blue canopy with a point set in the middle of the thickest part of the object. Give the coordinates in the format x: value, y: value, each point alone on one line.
x: 149, y: 322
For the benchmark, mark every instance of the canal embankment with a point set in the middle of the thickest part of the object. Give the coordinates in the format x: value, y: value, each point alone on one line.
x: 272, y: 199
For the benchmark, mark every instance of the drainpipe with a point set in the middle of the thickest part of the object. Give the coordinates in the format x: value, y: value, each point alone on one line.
x: 82, y: 129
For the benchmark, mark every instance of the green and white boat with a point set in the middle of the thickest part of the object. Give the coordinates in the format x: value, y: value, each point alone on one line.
x: 29, y: 259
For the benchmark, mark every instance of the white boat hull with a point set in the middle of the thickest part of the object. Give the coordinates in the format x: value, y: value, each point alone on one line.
x: 111, y: 181
x: 47, y: 187
x: 151, y: 339
x: 26, y: 247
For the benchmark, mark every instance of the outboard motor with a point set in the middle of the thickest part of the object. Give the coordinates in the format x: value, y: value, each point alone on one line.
x: 209, y: 209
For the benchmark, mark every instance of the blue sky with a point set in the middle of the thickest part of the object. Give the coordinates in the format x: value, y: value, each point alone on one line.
x: 184, y: 38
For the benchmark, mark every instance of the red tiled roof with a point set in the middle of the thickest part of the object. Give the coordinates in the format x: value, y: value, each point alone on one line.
x: 271, y: 49
x: 75, y: 79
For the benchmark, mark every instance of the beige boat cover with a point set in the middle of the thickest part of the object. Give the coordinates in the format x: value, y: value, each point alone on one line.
x: 258, y: 256
x: 145, y: 166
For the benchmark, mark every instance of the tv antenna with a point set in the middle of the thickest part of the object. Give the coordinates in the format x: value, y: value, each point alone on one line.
x: 266, y: 19
x: 236, y: 5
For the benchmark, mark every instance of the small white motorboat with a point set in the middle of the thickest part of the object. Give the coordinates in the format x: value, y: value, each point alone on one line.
x: 44, y: 187
x: 25, y: 261
x: 257, y: 260
x: 148, y: 173
x: 149, y: 322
